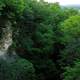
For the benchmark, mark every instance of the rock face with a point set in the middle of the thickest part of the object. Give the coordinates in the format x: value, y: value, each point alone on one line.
x: 5, y: 42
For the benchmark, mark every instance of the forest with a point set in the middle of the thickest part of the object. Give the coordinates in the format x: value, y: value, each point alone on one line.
x: 39, y: 41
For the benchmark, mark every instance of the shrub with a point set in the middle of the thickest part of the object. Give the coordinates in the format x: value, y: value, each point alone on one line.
x: 21, y: 69
x: 72, y: 73
x: 45, y: 69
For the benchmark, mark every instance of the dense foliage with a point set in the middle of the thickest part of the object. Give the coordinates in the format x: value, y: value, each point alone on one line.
x: 73, y: 73
x: 70, y: 38
x: 21, y: 69
x: 47, y: 35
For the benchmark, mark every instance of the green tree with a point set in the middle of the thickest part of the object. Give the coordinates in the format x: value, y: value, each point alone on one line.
x: 36, y: 36
x: 72, y: 73
x: 68, y: 12
x: 70, y: 39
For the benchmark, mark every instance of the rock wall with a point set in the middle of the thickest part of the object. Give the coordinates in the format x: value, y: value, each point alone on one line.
x: 6, y: 40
